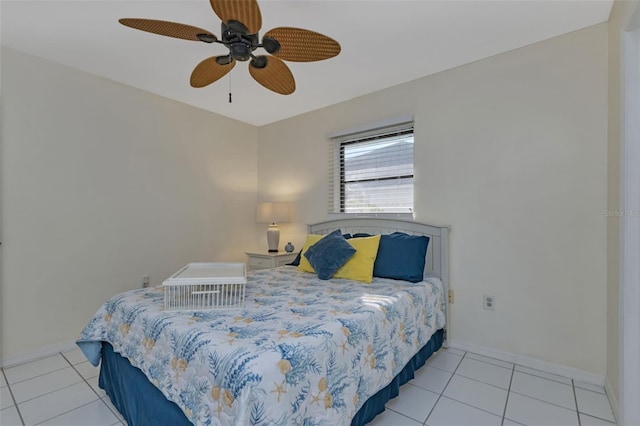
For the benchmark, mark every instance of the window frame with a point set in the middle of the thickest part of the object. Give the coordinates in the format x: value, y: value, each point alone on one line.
x: 337, y: 172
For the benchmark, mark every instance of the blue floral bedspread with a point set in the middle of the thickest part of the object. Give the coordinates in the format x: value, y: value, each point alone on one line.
x: 301, y: 351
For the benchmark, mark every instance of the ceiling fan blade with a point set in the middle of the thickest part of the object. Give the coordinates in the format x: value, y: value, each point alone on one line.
x: 246, y: 12
x: 210, y: 70
x: 170, y: 29
x: 300, y: 45
x: 273, y: 74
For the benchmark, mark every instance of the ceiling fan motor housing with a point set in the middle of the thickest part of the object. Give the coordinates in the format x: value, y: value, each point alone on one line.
x: 240, y: 43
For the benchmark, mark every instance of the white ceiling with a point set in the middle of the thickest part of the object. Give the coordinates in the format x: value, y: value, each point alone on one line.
x: 384, y: 43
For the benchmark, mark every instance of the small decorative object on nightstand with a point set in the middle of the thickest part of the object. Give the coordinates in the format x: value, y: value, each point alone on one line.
x: 289, y: 248
x: 266, y: 260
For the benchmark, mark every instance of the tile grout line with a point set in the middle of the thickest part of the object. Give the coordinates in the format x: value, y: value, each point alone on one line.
x: 86, y: 380
x: 68, y: 360
x: 485, y: 383
x: 51, y: 355
x: 117, y: 415
x: 488, y: 360
x: 542, y: 400
x: 591, y: 390
x: 47, y: 393
x: 573, y: 387
x: 46, y: 420
x: 509, y: 391
x: 504, y: 412
x: 75, y: 408
x: 472, y: 406
x: 466, y: 377
x: 403, y: 415
x: 461, y: 358
x: 39, y: 375
x: 66, y: 412
x: 575, y: 398
x: 13, y: 398
x: 444, y: 388
x: 532, y: 372
x: 598, y: 417
x: 551, y: 380
x: 615, y: 421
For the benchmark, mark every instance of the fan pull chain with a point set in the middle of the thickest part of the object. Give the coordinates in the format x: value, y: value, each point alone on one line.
x: 229, y: 88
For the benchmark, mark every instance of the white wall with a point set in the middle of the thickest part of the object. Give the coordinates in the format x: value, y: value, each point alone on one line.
x: 103, y: 184
x: 511, y: 152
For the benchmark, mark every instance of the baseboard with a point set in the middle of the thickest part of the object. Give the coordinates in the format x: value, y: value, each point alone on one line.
x: 613, y: 400
x: 43, y: 352
x: 526, y: 361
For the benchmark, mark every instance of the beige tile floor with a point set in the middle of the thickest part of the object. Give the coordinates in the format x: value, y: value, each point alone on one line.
x: 454, y: 388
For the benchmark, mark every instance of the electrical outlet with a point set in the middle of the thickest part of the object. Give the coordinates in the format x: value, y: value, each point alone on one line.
x: 145, y: 282
x: 451, y: 296
x: 489, y: 303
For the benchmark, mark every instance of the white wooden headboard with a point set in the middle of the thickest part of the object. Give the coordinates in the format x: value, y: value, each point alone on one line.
x: 437, y: 260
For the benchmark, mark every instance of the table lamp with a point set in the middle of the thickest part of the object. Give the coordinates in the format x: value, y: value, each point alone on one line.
x: 273, y: 213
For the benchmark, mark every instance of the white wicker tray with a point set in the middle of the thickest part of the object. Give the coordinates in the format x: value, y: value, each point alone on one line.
x: 206, y: 286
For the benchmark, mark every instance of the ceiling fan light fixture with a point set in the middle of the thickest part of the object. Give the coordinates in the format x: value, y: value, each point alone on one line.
x: 240, y: 51
x: 224, y: 60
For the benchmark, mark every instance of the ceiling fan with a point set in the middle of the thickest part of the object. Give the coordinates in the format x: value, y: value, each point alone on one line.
x: 241, y: 23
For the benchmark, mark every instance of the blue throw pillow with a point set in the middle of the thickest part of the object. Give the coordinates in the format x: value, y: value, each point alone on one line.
x: 296, y: 261
x: 401, y: 257
x: 329, y: 254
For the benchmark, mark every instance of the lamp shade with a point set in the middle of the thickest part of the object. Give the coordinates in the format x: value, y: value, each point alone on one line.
x: 272, y: 213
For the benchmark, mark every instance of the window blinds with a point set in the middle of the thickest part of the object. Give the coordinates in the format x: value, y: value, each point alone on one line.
x: 372, y: 171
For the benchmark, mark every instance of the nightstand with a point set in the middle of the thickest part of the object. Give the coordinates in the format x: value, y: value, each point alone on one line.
x: 266, y: 260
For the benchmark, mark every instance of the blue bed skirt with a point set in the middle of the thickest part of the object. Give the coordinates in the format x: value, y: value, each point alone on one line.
x: 142, y: 404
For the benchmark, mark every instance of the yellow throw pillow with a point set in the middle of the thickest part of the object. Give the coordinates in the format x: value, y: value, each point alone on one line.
x: 360, y: 266
x: 304, y: 263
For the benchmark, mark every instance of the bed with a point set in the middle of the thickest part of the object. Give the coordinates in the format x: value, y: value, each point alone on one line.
x: 301, y: 351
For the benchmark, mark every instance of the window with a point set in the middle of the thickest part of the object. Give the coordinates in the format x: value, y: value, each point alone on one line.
x: 372, y: 171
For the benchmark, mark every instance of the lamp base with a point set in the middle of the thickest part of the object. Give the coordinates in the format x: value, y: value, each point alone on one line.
x: 273, y: 238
